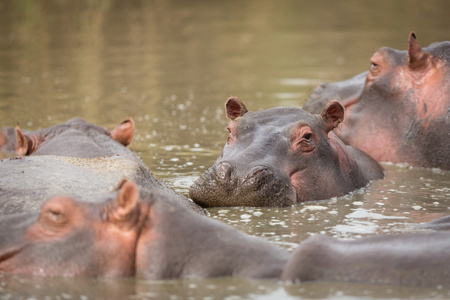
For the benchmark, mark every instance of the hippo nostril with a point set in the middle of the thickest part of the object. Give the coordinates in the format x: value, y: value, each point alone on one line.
x: 259, y: 175
x: 223, y: 172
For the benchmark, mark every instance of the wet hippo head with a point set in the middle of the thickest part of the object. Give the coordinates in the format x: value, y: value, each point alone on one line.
x: 398, y: 111
x: 148, y: 233
x: 74, y: 239
x: 280, y: 157
x: 76, y: 138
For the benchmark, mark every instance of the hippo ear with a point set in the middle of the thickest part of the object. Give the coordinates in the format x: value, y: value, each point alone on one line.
x: 124, y: 132
x: 127, y: 201
x: 24, y: 143
x: 235, y: 108
x: 416, y: 56
x: 332, y: 115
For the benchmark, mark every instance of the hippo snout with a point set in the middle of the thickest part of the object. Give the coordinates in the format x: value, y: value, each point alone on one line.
x: 223, y: 172
x: 258, y: 176
x: 226, y: 184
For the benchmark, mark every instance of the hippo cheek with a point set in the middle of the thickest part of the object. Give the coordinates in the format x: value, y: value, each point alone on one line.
x: 8, y: 257
x: 148, y: 259
x: 317, y: 186
x: 68, y: 257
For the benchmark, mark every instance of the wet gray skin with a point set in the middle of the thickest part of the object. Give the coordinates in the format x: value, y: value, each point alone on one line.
x: 438, y: 224
x: 414, y: 259
x: 281, y: 157
x: 343, y: 91
x: 398, y: 111
x: 77, y: 159
x: 136, y: 231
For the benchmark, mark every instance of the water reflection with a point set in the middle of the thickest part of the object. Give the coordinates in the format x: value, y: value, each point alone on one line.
x: 216, y: 288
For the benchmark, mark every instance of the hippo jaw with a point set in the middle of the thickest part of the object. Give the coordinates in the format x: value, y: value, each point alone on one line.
x: 262, y: 187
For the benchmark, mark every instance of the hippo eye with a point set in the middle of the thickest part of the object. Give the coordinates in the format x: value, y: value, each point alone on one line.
x: 54, y: 217
x: 307, y: 136
x: 303, y: 139
x: 374, y: 66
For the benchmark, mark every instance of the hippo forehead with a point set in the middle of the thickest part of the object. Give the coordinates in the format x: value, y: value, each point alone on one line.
x: 277, y: 118
x: 394, y: 56
x: 440, y: 50
x: 75, y: 124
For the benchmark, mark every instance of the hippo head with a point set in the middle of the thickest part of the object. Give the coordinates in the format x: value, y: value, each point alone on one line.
x: 398, y: 111
x: 74, y: 239
x: 278, y: 157
x: 135, y: 231
x: 71, y: 138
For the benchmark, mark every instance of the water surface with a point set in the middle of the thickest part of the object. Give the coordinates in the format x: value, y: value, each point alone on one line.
x: 171, y: 65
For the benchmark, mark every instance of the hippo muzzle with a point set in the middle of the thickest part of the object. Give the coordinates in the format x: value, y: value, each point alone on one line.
x: 225, y: 185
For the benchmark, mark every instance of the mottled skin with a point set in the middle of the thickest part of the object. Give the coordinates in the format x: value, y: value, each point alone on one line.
x: 414, y: 259
x: 133, y: 232
x: 281, y: 157
x: 398, y: 111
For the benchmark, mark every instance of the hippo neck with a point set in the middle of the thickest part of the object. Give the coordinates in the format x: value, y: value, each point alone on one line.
x: 213, y: 249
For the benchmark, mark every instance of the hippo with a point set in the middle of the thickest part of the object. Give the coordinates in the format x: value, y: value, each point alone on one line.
x: 281, y: 157
x: 90, y: 139
x: 133, y: 231
x: 69, y: 238
x: 408, y: 259
x: 399, y: 110
x: 76, y: 158
x: 442, y: 223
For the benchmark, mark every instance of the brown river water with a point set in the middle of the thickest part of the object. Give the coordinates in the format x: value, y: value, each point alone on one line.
x: 171, y: 65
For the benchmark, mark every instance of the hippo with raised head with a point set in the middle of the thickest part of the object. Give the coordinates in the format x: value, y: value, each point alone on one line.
x: 409, y: 259
x: 398, y: 111
x: 135, y: 231
x: 281, y: 157
x: 77, y: 159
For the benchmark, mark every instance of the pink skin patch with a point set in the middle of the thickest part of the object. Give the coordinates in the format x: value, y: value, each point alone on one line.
x: 344, y: 157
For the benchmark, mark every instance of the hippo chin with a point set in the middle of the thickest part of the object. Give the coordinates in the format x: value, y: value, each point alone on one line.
x: 281, y: 157
x: 132, y: 232
x: 399, y: 110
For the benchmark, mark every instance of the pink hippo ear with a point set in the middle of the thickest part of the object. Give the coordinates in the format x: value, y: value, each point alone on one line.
x: 126, y: 204
x: 332, y: 115
x: 416, y: 56
x: 124, y: 132
x: 235, y: 108
x: 24, y: 144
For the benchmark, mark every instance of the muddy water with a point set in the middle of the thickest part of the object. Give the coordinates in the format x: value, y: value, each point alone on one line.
x: 171, y: 65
